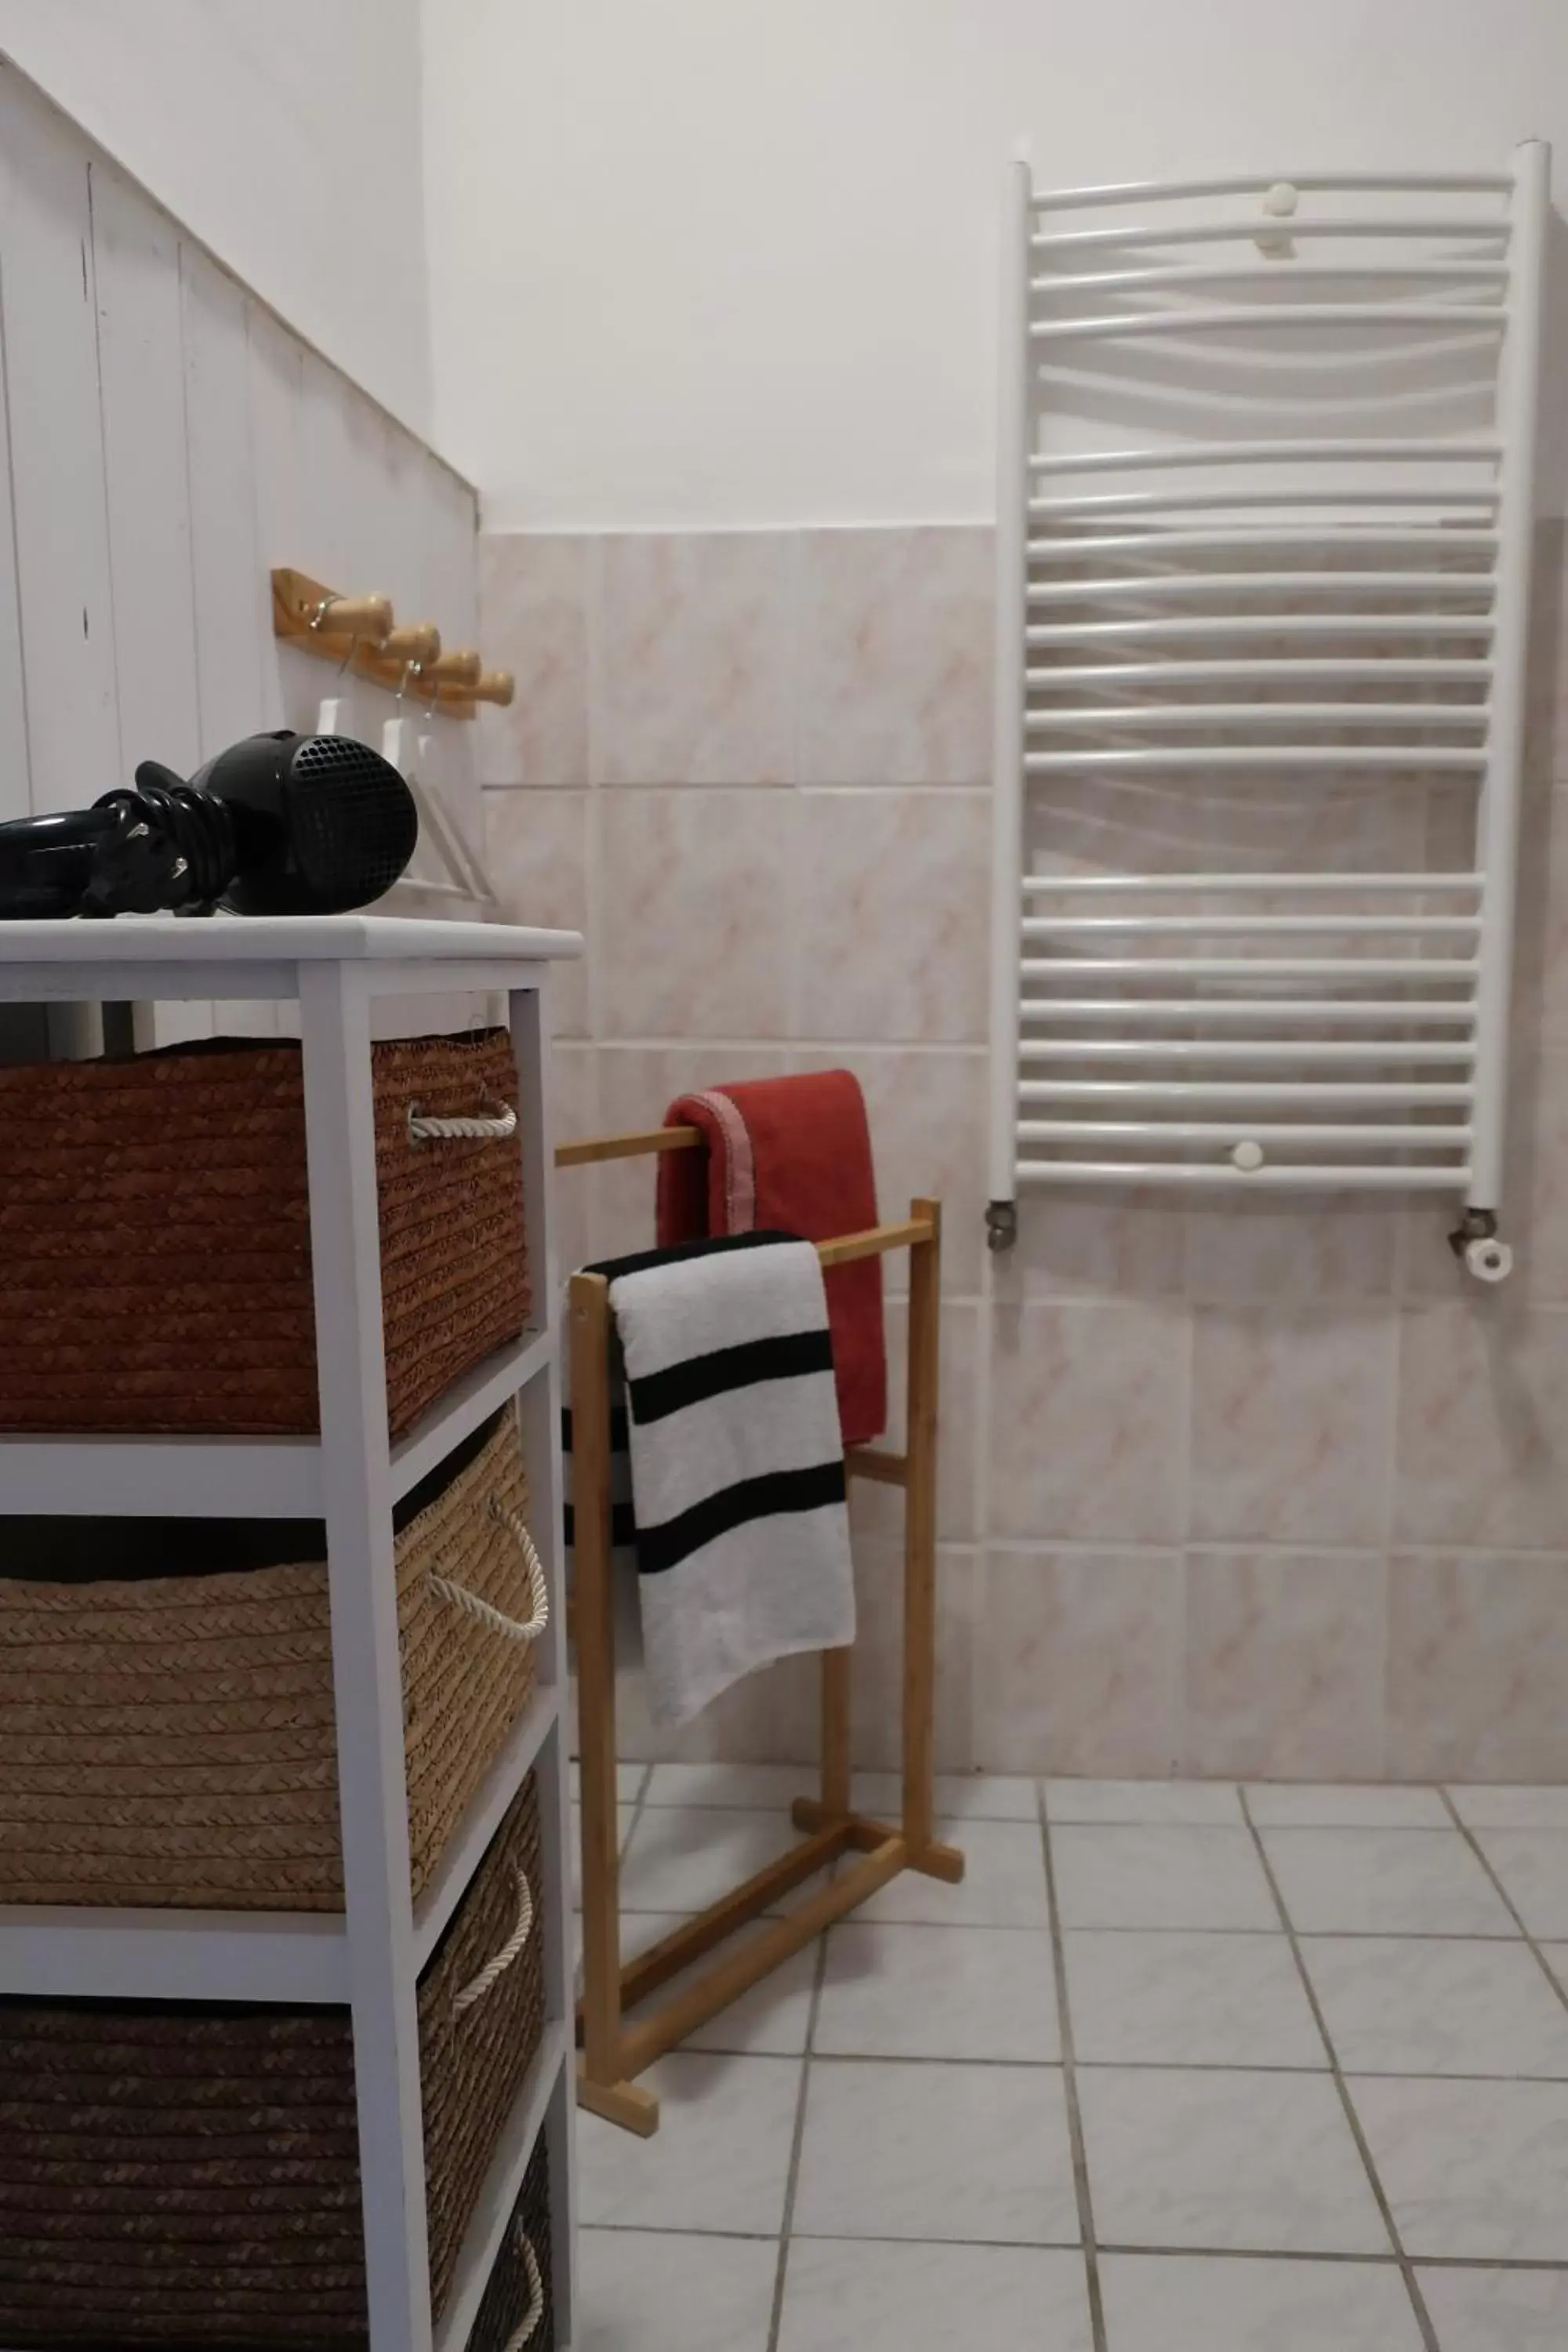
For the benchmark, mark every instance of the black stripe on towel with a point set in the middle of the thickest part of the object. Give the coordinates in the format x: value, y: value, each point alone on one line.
x: 777, y: 1491
x: 725, y: 1368
x: 623, y: 1526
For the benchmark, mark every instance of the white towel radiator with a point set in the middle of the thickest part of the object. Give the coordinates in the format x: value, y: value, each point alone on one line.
x: 1264, y: 528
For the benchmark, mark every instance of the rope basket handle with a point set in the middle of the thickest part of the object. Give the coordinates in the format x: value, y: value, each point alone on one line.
x: 497, y: 1966
x: 494, y: 1128
x: 531, y: 2318
x: 484, y: 1611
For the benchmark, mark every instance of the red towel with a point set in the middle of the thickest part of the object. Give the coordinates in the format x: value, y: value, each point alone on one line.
x: 794, y: 1156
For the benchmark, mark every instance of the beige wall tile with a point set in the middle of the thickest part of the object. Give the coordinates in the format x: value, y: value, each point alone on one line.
x: 1078, y: 1663
x: 1284, y: 1664
x: 896, y: 655
x: 1478, y: 1666
x: 536, y: 855
x: 894, y: 896
x: 1089, y: 1422
x: 696, y: 658
x: 533, y: 620
x: 1291, y: 1411
x: 927, y: 1115
x: 877, y: 1699
x: 694, y: 917
x: 1482, y: 1448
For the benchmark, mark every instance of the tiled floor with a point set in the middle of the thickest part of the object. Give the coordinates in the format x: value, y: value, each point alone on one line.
x: 1179, y: 2068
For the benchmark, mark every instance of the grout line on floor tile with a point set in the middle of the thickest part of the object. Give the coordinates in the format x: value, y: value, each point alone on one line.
x: 1407, y: 2268
x: 1070, y: 2088
x: 1504, y: 1896
x: 793, y: 2180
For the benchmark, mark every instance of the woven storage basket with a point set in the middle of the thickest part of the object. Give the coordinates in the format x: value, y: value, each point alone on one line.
x: 176, y: 2174
x: 154, y: 1230
x: 516, y: 2315
x: 171, y: 1740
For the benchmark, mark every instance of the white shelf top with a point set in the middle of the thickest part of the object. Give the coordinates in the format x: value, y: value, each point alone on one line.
x: 112, y: 1474
x: 280, y: 938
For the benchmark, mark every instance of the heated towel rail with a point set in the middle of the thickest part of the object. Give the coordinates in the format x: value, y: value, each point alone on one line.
x: 1263, y: 553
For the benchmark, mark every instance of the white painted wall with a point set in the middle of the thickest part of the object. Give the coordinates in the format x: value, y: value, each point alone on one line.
x: 287, y: 136
x: 722, y: 263
x: 164, y: 442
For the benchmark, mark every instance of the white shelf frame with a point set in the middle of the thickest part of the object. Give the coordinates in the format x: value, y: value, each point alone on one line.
x: 369, y: 1957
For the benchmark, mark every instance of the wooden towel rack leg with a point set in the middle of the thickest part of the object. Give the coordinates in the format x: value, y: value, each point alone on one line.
x: 613, y: 2051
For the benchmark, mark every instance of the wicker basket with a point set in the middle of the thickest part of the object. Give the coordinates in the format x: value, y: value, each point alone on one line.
x: 179, y: 2175
x: 171, y: 1740
x: 154, y: 1229
x: 517, y: 2314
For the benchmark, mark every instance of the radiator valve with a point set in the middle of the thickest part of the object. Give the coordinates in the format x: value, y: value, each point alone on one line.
x: 1001, y: 1226
x: 1474, y: 1242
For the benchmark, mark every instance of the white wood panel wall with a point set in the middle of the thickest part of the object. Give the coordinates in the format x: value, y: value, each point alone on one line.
x: 168, y: 442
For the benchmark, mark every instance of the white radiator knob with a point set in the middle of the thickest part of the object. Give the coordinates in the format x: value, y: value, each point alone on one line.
x: 1248, y: 1156
x: 1489, y: 1259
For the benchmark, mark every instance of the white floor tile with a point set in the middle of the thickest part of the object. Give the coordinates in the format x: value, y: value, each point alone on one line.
x: 1511, y: 1809
x: 1429, y: 2006
x: 1159, y: 1877
x: 960, y: 1796
x: 1277, y: 1804
x: 938, y: 1992
x: 1167, y: 1998
x: 642, y: 2292
x: 1384, y: 1883
x: 894, y: 2150
x: 1183, y: 1801
x: 744, y: 1788
x: 683, y: 1857
x: 1556, y: 1958
x: 869, y: 2296
x: 1475, y: 2170
x: 770, y: 2021
x: 1225, y: 2160
x: 718, y: 2160
x: 1239, y: 2302
x: 1533, y: 1867
x: 1498, y: 2311
x: 1004, y: 1882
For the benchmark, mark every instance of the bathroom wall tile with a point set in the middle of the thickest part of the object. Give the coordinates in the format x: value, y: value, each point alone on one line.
x: 1078, y: 1241
x: 1088, y: 1422
x: 533, y: 620
x: 1284, y: 1662
x: 575, y: 1109
x: 1078, y: 1662
x: 877, y: 1697
x: 1482, y: 1447
x: 896, y: 655
x: 1535, y: 1216
x: 894, y: 896
x: 879, y: 1511
x: 694, y: 914
x: 536, y: 855
x: 1477, y: 1664
x: 1272, y: 1248
x: 698, y: 658
x: 1292, y: 1407
x: 927, y: 1115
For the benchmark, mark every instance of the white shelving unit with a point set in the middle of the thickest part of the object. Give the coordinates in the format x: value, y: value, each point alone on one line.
x: 350, y: 1476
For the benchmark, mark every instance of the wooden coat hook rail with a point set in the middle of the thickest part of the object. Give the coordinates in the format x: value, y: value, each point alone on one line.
x: 615, y: 2051
x: 362, y: 633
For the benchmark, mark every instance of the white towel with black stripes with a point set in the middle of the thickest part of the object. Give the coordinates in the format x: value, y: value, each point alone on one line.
x: 742, y: 1533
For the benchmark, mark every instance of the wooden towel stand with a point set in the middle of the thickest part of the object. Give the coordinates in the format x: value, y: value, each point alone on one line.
x: 614, y: 2052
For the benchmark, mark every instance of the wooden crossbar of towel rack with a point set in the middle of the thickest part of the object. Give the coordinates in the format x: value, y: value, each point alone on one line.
x: 614, y: 2052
